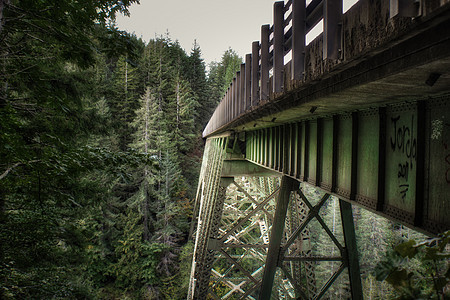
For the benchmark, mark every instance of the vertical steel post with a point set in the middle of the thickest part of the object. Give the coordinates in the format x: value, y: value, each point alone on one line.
x: 319, y: 152
x: 354, y: 166
x: 298, y: 172
x: 306, y: 154
x: 381, y: 196
x: 255, y: 73
x: 351, y: 249
x: 271, y: 142
x: 278, y: 46
x: 298, y: 39
x: 266, y: 147
x: 420, y: 164
x: 285, y: 150
x: 276, y: 161
x: 335, y: 153
x: 248, y: 81
x: 332, y: 14
x: 287, y: 185
x: 280, y: 146
x: 242, y: 91
x: 265, y: 66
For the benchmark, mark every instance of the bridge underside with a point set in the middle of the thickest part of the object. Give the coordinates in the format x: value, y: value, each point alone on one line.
x: 374, y: 131
x: 252, y: 237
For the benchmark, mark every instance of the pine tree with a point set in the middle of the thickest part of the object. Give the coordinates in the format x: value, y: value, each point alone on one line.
x: 196, y: 75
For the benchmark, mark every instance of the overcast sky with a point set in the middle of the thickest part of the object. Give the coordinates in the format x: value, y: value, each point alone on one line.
x: 215, y: 24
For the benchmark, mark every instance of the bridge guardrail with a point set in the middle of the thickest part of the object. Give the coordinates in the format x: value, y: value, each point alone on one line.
x: 264, y: 75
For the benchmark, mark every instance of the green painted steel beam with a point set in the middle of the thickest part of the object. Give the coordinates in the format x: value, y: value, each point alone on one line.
x: 351, y: 250
x: 240, y: 167
x: 287, y: 185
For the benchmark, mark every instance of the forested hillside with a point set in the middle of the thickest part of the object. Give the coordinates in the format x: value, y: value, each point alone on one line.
x: 100, y: 148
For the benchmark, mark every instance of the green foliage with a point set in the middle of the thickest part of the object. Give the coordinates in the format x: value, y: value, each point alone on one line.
x: 99, y: 153
x: 137, y: 259
x: 52, y: 177
x: 418, y: 270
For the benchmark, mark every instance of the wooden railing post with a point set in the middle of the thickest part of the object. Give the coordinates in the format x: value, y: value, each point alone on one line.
x: 255, y: 73
x: 278, y: 46
x: 236, y: 92
x: 248, y: 81
x: 230, y: 102
x: 242, y: 90
x: 298, y: 39
x: 332, y: 15
x: 227, y: 106
x: 233, y: 89
x: 221, y: 113
x: 265, y: 66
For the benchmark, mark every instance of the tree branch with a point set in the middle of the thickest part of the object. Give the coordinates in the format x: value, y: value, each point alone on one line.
x: 2, y: 7
x: 15, y: 166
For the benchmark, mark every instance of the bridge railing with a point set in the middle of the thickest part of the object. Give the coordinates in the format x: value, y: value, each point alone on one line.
x: 264, y: 75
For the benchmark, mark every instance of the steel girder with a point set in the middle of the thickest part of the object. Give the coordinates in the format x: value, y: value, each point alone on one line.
x: 392, y: 160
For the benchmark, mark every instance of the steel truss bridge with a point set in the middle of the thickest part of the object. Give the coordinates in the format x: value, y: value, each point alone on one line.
x: 360, y: 116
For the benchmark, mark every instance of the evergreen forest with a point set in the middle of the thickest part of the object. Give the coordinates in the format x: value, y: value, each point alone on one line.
x: 100, y: 148
x: 100, y: 152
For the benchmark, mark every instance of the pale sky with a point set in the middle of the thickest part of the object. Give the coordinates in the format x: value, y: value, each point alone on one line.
x: 215, y: 24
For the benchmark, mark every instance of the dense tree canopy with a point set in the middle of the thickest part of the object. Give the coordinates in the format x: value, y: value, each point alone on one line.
x: 94, y: 126
x: 100, y: 146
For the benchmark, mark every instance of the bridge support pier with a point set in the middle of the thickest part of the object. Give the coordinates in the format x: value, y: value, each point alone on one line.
x: 209, y: 203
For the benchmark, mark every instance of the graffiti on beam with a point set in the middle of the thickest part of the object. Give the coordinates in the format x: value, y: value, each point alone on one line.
x: 403, y: 170
x: 403, y: 141
x: 403, y: 189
